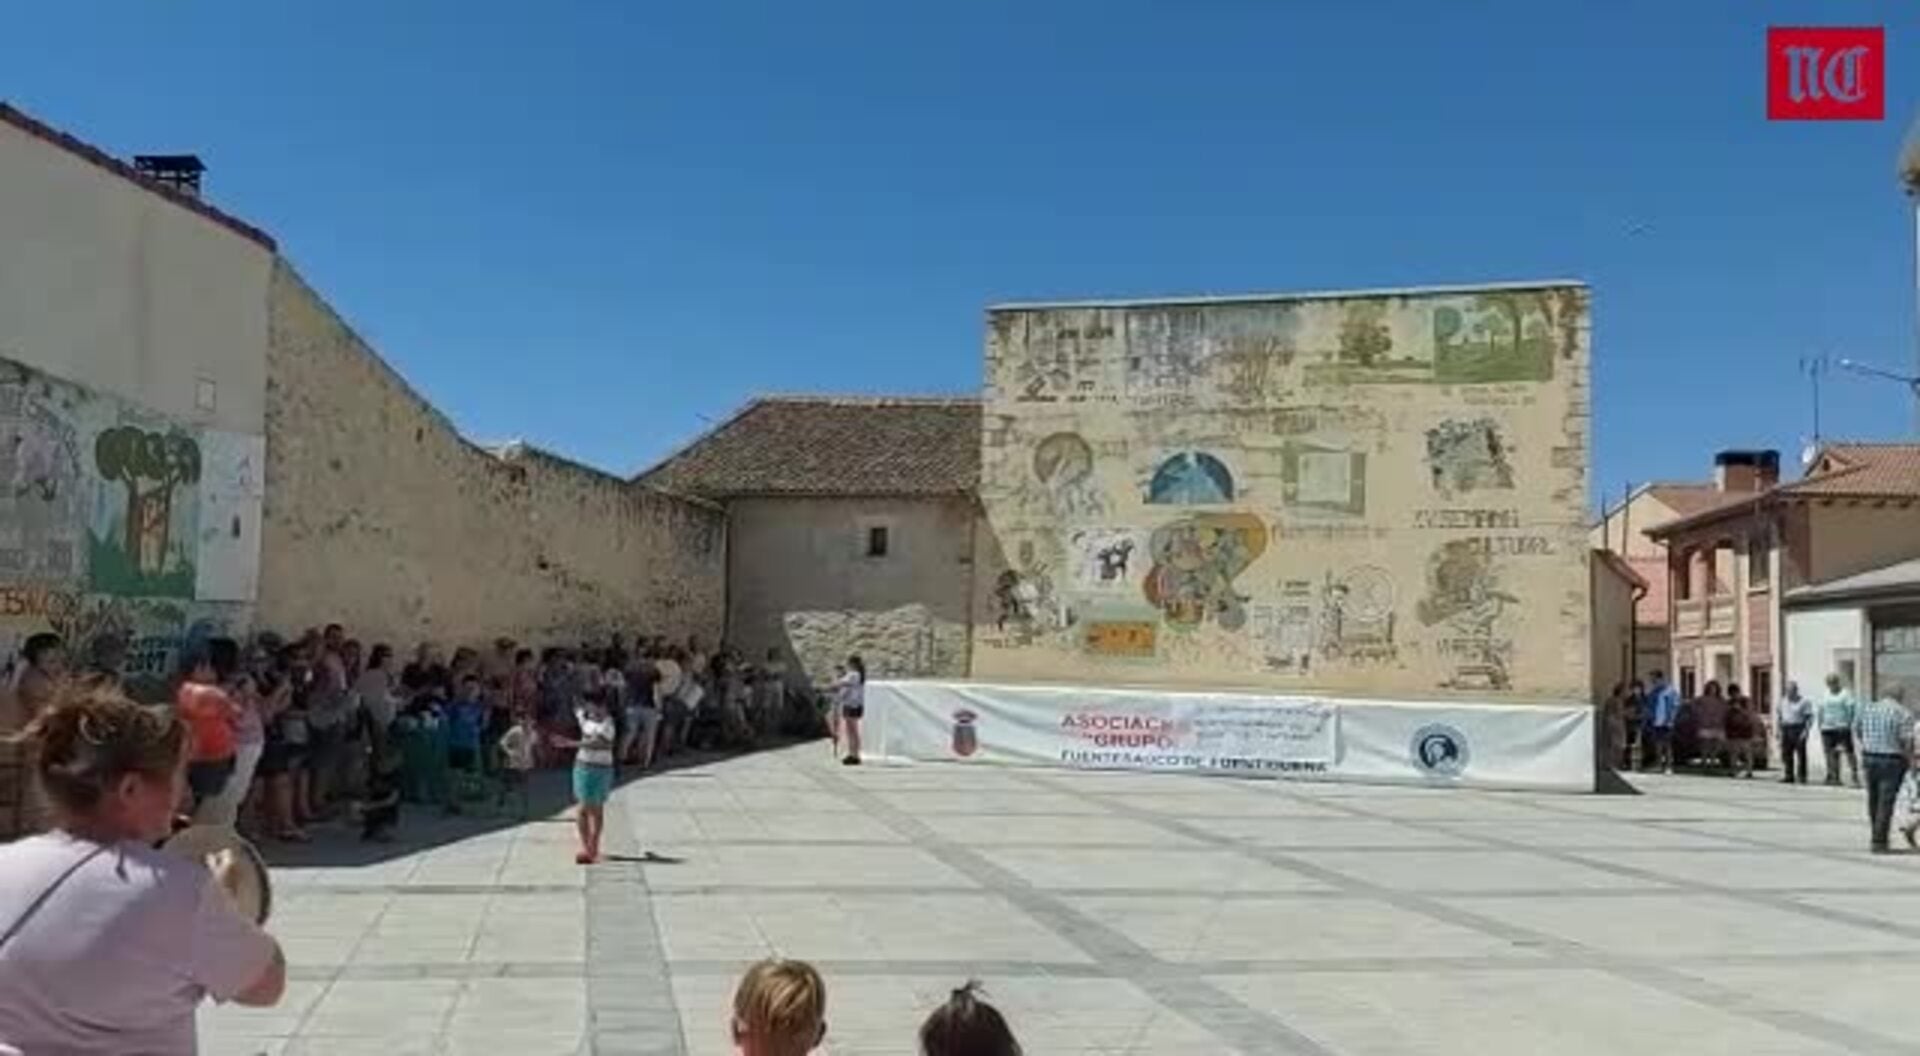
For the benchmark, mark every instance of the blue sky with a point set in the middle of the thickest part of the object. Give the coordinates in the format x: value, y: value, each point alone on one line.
x: 592, y: 224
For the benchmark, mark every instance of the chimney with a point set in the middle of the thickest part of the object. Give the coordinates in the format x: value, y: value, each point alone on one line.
x: 1745, y: 472
x: 179, y: 171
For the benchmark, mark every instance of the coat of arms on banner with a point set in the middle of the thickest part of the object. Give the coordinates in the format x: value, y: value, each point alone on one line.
x: 966, y: 736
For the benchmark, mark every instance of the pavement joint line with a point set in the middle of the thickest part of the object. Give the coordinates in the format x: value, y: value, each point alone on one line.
x: 1769, y: 898
x: 729, y: 968
x: 1754, y: 842
x: 1635, y: 971
x: 1090, y: 846
x: 625, y: 959
x: 1178, y: 992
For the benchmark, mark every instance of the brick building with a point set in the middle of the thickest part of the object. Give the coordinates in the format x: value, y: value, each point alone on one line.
x: 1856, y: 508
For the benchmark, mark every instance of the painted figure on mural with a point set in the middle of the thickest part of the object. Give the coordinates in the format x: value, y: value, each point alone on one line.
x: 144, y: 532
x: 39, y: 468
x: 1357, y: 616
x: 1465, y: 456
x: 1464, y: 593
x: 1063, y: 471
x: 1195, y: 562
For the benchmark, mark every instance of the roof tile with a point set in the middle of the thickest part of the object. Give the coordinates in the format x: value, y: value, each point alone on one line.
x: 826, y: 445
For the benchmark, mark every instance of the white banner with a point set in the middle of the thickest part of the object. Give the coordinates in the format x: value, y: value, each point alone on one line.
x: 1491, y: 745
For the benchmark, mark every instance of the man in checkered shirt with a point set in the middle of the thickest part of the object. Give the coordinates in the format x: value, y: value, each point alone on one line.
x: 1884, y: 730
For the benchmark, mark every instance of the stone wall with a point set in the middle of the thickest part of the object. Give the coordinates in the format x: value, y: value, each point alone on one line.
x: 379, y: 515
x: 1373, y: 494
x: 803, y: 582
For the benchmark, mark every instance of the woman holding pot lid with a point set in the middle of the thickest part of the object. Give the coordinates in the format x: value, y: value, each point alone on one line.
x: 108, y: 945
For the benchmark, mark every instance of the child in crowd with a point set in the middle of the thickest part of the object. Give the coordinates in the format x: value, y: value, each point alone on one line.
x: 466, y: 720
x: 380, y: 812
x: 517, y: 760
x: 772, y: 691
x: 779, y: 1009
x: 850, y: 704
x: 592, y: 773
x: 214, y: 719
x: 967, y: 1026
x: 420, y: 732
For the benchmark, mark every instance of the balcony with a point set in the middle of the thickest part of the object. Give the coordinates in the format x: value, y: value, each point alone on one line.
x: 1720, y: 615
x: 1691, y: 619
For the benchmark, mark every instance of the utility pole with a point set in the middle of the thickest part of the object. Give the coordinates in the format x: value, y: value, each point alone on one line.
x: 1814, y: 367
x: 1909, y: 170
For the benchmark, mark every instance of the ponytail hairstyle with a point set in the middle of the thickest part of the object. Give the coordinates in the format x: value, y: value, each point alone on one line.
x: 90, y: 736
x: 967, y: 1026
x: 859, y: 668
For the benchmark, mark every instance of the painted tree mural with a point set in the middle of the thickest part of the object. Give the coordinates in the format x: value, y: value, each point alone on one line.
x: 151, y: 467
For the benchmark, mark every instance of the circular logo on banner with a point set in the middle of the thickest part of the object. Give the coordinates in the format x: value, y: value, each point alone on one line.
x: 1440, y: 750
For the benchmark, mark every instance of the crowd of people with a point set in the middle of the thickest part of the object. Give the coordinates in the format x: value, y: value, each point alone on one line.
x: 95, y: 906
x: 286, y: 733
x: 1650, y: 726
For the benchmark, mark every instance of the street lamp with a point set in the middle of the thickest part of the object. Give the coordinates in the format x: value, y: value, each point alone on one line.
x: 1911, y: 381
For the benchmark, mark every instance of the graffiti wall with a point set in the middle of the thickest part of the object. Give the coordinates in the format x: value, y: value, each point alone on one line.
x: 104, y: 526
x: 1347, y: 493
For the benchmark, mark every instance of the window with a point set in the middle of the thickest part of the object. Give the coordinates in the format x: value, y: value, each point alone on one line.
x: 1688, y: 682
x: 1683, y: 581
x: 1759, y: 564
x: 1722, y: 668
x: 1720, y: 570
x: 877, y: 540
x: 1760, y: 687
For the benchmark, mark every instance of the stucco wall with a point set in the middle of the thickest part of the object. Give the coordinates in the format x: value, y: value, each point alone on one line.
x: 1612, y: 634
x: 380, y: 516
x: 108, y: 285
x: 1850, y: 539
x: 1817, y: 639
x: 801, y: 581
x: 1380, y: 494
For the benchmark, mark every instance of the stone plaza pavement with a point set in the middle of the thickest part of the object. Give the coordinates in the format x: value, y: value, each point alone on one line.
x: 1117, y: 913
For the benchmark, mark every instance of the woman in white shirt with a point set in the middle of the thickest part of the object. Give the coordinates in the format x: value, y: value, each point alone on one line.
x: 106, y: 944
x: 850, y: 701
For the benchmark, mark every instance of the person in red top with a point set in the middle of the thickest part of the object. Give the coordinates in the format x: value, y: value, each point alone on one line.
x: 213, y: 718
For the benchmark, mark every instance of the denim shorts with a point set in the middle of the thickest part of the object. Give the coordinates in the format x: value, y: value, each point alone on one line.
x: 592, y: 784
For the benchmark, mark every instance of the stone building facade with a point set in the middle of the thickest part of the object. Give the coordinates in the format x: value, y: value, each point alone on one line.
x: 850, y: 526
x: 1380, y: 494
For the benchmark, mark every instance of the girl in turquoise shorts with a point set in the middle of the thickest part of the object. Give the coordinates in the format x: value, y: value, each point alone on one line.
x: 592, y: 774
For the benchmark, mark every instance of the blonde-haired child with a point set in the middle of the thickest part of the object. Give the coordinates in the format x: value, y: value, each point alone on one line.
x: 779, y: 1009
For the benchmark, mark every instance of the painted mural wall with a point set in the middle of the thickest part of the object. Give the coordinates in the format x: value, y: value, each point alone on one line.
x: 1368, y: 494
x: 120, y: 523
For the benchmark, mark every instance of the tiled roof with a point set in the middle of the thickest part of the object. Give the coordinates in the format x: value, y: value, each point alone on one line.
x: 89, y: 153
x: 1838, y: 471
x: 831, y: 445
x: 1869, y: 470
